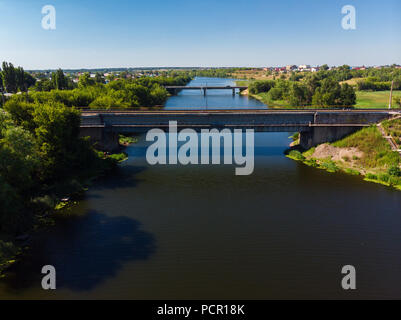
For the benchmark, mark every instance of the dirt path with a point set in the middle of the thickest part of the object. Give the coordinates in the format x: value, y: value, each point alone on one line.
x: 394, y: 146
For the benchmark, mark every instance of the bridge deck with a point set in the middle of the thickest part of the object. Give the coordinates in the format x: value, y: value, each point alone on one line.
x: 260, y: 120
x: 206, y: 87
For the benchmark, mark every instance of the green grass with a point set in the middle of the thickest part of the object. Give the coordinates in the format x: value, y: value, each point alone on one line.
x: 393, y: 128
x: 118, y: 157
x: 374, y: 99
x: 242, y: 83
x: 271, y: 103
x: 296, y: 155
x: 127, y: 140
x: 377, y: 151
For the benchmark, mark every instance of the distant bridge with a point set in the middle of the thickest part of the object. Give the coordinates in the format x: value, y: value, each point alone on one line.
x: 175, y: 89
x: 315, y: 126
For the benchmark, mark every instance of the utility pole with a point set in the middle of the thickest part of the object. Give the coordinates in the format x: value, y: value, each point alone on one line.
x: 391, y: 94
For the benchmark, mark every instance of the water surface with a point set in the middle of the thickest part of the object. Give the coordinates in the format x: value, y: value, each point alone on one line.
x: 214, y: 99
x: 200, y: 232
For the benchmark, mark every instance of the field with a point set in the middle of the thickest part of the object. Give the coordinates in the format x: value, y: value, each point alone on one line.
x: 364, y: 99
x: 393, y: 129
x: 374, y: 99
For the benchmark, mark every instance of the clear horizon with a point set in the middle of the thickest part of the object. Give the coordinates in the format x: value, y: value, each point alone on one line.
x: 155, y: 34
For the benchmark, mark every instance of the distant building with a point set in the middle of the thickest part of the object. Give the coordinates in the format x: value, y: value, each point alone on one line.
x: 290, y: 67
x: 304, y: 66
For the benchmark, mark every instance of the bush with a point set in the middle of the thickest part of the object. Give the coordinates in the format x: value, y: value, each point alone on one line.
x: 295, y: 154
x: 329, y: 165
x: 7, y: 251
x: 384, y: 177
x: 371, y: 176
x: 261, y: 86
x: 395, y: 181
x: 394, y: 171
x: 352, y: 171
x: 276, y: 94
x: 118, y: 157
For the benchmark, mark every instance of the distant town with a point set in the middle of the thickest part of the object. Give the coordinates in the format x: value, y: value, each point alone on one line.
x: 110, y: 74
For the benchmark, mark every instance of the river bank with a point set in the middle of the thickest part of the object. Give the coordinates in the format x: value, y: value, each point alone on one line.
x: 57, y: 197
x: 365, y: 153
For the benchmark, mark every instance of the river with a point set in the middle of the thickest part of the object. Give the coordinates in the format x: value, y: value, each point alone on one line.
x: 200, y: 232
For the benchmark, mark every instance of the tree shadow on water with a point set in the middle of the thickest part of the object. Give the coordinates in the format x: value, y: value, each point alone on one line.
x: 120, y: 178
x: 85, y: 251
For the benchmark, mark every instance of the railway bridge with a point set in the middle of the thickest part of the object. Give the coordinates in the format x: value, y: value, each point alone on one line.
x: 315, y: 126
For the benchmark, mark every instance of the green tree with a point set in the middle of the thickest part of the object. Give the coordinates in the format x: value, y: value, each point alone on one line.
x: 3, y: 100
x: 57, y: 134
x: 324, y: 67
x: 348, y: 96
x: 298, y: 94
x: 60, y: 81
x: 20, y: 78
x: 85, y: 80
x: 99, y: 78
x: 9, y: 78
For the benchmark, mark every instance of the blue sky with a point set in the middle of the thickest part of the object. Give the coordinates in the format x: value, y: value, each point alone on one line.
x: 132, y: 33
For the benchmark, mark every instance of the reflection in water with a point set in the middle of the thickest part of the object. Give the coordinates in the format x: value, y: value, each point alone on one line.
x: 85, y: 251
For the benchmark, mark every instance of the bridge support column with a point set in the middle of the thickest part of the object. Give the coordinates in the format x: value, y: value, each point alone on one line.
x: 233, y: 92
x: 204, y: 91
x: 319, y: 135
x: 105, y: 139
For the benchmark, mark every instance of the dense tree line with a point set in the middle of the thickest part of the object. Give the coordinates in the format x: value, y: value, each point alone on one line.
x: 313, y: 90
x: 214, y: 73
x: 39, y: 145
x: 41, y: 158
x: 372, y: 84
x: 92, y: 92
x: 15, y: 79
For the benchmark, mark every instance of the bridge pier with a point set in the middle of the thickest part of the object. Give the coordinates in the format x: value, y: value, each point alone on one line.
x: 204, y: 91
x: 319, y: 135
x: 105, y: 139
x: 233, y: 92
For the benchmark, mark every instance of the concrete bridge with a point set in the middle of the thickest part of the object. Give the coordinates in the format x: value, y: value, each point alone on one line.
x: 315, y: 126
x: 175, y: 89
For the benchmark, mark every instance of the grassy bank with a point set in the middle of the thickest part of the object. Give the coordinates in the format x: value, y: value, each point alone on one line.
x: 364, y: 99
x: 365, y: 153
x: 374, y: 99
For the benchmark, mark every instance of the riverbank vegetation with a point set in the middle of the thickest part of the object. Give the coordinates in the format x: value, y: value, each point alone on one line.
x: 89, y: 92
x: 317, y: 90
x: 366, y: 153
x: 42, y: 161
x: 337, y: 87
x: 122, y: 94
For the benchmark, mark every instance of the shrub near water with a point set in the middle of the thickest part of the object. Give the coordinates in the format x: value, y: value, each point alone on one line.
x: 394, y: 171
x: 296, y: 155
